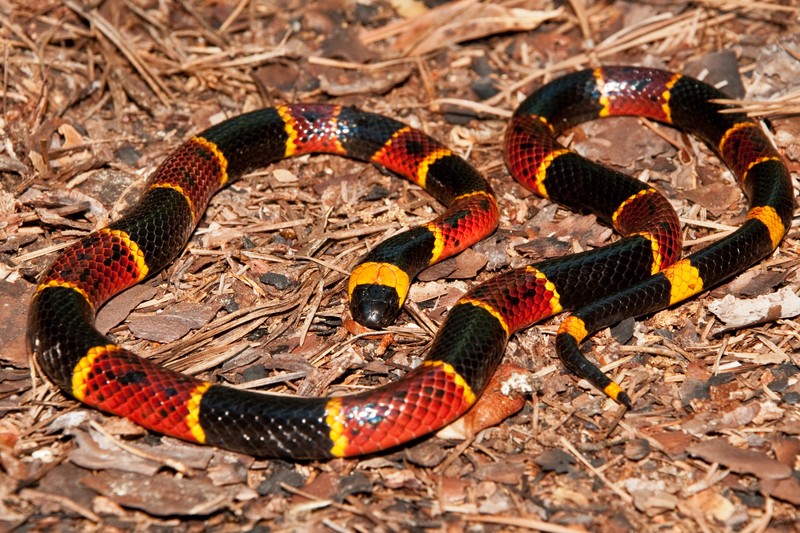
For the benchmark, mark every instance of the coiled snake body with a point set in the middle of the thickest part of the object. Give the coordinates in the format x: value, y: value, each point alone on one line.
x: 638, y: 274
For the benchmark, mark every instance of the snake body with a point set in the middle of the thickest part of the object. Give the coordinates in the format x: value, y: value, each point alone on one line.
x: 638, y: 274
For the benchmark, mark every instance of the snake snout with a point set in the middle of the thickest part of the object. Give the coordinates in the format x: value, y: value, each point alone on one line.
x: 374, y: 306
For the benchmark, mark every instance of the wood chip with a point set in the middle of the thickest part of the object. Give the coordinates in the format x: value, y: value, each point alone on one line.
x: 159, y: 495
x: 174, y: 323
x: 737, y: 312
x: 739, y: 460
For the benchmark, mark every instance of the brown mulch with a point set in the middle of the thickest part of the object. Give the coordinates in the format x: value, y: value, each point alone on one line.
x: 96, y: 93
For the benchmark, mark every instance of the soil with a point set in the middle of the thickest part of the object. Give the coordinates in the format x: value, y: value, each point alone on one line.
x: 96, y: 94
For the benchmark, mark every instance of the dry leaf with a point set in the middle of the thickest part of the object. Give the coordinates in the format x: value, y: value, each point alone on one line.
x: 71, y: 136
x: 160, y: 495
x: 738, y: 460
x: 457, y: 22
x: 738, y: 313
x: 504, y: 396
x: 711, y: 504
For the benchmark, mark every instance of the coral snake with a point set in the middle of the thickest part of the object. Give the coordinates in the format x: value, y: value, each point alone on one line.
x: 638, y: 274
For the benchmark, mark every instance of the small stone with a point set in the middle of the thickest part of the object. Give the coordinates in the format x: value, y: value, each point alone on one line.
x: 257, y: 334
x: 555, y: 460
x: 253, y: 373
x: 282, y: 474
x: 128, y: 154
x: 623, y: 332
x: 637, y: 449
x: 378, y: 192
x: 484, y: 88
x: 279, y: 281
x: 481, y: 66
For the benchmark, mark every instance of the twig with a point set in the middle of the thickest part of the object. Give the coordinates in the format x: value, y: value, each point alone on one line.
x: 264, y: 382
x: 64, y: 502
x: 619, y: 492
x: 478, y: 107
x: 312, y: 311
x: 326, y: 264
x: 349, y: 65
x: 240, y: 7
x: 521, y: 522
x: 788, y: 104
x: 583, y: 21
x: 220, y: 61
x: 133, y: 450
x: 708, y: 238
x: 111, y: 33
x: 208, y: 32
x: 319, y: 502
x: 745, y: 5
